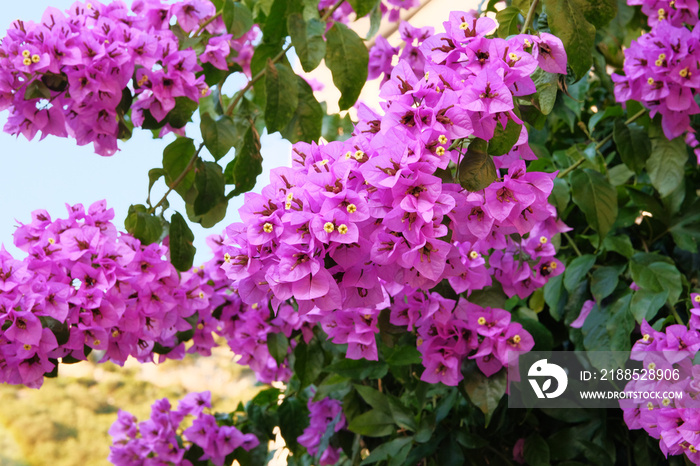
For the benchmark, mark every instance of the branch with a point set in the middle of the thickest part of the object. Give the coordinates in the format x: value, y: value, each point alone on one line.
x: 179, y: 179
x: 207, y: 23
x: 530, y: 16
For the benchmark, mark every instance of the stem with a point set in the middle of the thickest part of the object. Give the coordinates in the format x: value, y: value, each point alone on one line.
x: 395, y: 26
x: 179, y: 179
x: 676, y: 316
x: 278, y: 57
x: 207, y: 23
x: 607, y: 138
x: 530, y: 16
x: 572, y: 243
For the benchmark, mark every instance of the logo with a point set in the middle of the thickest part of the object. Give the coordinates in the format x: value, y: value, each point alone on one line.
x: 542, y: 369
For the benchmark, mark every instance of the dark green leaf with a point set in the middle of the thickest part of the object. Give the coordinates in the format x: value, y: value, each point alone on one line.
x: 577, y: 270
x: 536, y: 451
x: 604, y: 281
x: 612, y: 111
x: 142, y: 225
x: 373, y: 423
x: 307, y: 39
x: 504, y: 139
x: 59, y: 83
x: 485, y: 392
x: 275, y: 28
x: 176, y: 158
x: 666, y: 165
x: 567, y: 22
x: 214, y: 215
x: 219, y: 136
x: 293, y: 420
x: 308, y: 362
x: 621, y: 324
x: 403, y: 356
x: 544, y: 341
x: 596, y: 198
x: 645, y: 304
x: 561, y: 194
x: 598, y: 12
x: 154, y: 175
x: 348, y: 59
x: 209, y: 181
x: 547, y: 87
x: 336, y: 128
x: 507, y: 21
x: 373, y: 397
x: 477, y: 170
x: 282, y: 96
x: 358, y: 369
x: 245, y: 168
x: 37, y: 90
x: 182, y: 113
x: 555, y: 296
x: 277, y: 345
x: 619, y: 244
x: 307, y: 121
x: 181, y: 249
x: 470, y: 441
x: 633, y: 144
x: 387, y: 450
x: 657, y: 277
x: 363, y: 7
x: 237, y: 18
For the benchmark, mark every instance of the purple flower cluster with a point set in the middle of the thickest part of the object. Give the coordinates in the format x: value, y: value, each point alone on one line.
x: 354, y: 226
x: 661, y: 67
x: 674, y: 421
x: 83, y: 287
x: 69, y: 74
x: 161, y: 439
x: 323, y: 414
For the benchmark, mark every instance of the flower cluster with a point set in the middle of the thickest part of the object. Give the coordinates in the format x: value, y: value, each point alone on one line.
x: 157, y: 440
x: 76, y: 74
x: 323, y: 414
x: 661, y: 66
x: 356, y: 225
x: 674, y: 421
x: 84, y: 287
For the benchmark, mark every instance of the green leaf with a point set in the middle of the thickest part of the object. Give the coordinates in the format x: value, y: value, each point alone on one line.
x: 504, y: 139
x: 277, y: 345
x: 308, y: 362
x: 293, y: 417
x: 561, y: 194
x: 181, y: 249
x: 363, y: 7
x: 373, y: 397
x: 176, y: 157
x: 358, y: 369
x: 596, y: 198
x: 657, y: 277
x: 348, y: 60
x: 373, y: 423
x: 477, y: 170
x: 619, y: 174
x: 536, y: 451
x: 576, y: 271
x: 547, y: 87
x: 142, y: 225
x: 604, y: 281
x: 307, y: 39
x: 179, y: 116
x: 336, y: 128
x: 598, y: 12
x: 388, y: 450
x: 209, y: 181
x: 666, y: 165
x: 213, y: 216
x: 402, y: 356
x: 567, y: 22
x: 555, y: 296
x: 507, y: 21
x: 282, y: 96
x: 612, y: 111
x: 237, y: 18
x: 470, y: 441
x: 485, y: 392
x: 37, y: 90
x: 307, y: 121
x: 621, y: 325
x: 633, y: 144
x: 245, y: 168
x: 646, y: 304
x: 619, y: 244
x: 275, y: 27
x: 154, y: 174
x: 219, y: 136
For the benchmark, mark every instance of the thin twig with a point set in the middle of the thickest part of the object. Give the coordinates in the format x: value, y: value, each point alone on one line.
x: 207, y: 23
x: 530, y: 16
x: 179, y: 179
x: 572, y: 243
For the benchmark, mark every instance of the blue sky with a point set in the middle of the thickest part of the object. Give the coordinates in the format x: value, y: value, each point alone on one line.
x: 50, y: 173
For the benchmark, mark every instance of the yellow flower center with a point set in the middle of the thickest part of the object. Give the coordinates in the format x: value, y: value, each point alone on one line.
x: 513, y: 56
x: 481, y: 320
x: 287, y: 205
x: 692, y: 449
x: 662, y: 56
x: 89, y: 6
x: 527, y: 43
x: 650, y: 406
x: 267, y: 228
x: 650, y: 81
x: 115, y: 334
x: 227, y: 258
x: 351, y: 208
x: 290, y: 196
x: 200, y: 326
x: 201, y: 295
x: 254, y: 306
x: 662, y: 14
x: 646, y: 337
x: 359, y: 154
x: 543, y: 240
x: 464, y: 26
x: 473, y: 255
x: 442, y: 139
x: 440, y: 151
x: 36, y: 58
x: 419, y: 341
x: 204, y: 92
x: 26, y: 53
x: 516, y: 339
x: 666, y: 402
x: 27, y: 61
x: 552, y: 265
x: 659, y: 62
x: 427, y: 75
x: 323, y: 162
x: 684, y: 73
x: 348, y: 154
x: 329, y: 227
x: 652, y: 366
x: 343, y: 229
x: 97, y: 342
x: 52, y: 241
x: 697, y: 298
x: 27, y: 346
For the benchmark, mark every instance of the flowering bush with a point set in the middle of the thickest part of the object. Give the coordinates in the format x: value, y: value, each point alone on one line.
x: 508, y: 194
